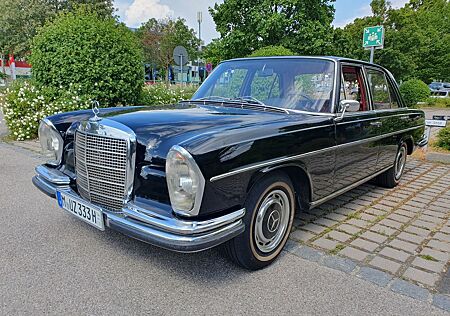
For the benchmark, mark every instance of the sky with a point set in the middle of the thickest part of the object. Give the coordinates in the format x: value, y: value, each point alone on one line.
x: 135, y: 12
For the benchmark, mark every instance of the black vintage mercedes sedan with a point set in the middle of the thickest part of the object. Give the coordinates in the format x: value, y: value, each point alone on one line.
x: 261, y: 139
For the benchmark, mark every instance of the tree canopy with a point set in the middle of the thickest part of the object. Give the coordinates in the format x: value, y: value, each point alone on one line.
x: 247, y: 25
x: 417, y: 40
x: 272, y: 51
x: 160, y: 37
x: 20, y: 19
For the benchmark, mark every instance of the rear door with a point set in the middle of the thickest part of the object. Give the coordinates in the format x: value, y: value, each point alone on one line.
x: 356, y: 133
x: 392, y: 116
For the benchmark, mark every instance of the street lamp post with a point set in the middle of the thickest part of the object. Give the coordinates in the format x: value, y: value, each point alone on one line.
x: 199, y: 20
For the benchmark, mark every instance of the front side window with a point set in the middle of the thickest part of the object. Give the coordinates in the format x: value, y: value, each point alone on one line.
x: 352, y: 86
x: 304, y: 84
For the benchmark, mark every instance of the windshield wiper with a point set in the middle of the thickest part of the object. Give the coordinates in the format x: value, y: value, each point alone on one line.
x: 254, y: 101
x: 213, y: 98
x: 240, y: 100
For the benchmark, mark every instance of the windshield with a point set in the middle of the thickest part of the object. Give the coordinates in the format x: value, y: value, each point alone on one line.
x: 291, y: 83
x: 435, y: 85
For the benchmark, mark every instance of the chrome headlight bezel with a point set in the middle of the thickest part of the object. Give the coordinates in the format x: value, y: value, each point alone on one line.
x: 174, y: 184
x: 52, y: 143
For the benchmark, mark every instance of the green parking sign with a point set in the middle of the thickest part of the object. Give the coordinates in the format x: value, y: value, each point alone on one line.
x: 373, y: 36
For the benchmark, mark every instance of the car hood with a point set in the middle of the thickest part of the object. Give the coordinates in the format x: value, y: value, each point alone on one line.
x: 197, y: 128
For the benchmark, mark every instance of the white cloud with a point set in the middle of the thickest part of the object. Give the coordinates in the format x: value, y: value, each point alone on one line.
x: 142, y: 10
x: 398, y: 3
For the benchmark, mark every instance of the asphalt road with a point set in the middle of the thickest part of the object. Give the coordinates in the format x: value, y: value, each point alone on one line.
x: 53, y: 263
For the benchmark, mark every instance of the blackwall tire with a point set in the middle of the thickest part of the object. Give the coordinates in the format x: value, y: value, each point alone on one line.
x: 391, y: 177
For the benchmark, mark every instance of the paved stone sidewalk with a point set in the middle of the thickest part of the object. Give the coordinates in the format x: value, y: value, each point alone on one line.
x: 403, y: 231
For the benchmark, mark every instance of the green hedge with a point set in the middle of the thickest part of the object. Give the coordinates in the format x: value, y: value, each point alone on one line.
x: 443, y: 138
x: 100, y: 55
x: 414, y: 91
x: 437, y: 102
x: 159, y: 94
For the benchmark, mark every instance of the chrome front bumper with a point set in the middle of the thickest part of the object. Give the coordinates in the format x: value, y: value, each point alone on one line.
x: 165, y: 231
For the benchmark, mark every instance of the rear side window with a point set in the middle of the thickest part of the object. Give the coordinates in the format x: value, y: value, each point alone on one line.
x: 383, y: 95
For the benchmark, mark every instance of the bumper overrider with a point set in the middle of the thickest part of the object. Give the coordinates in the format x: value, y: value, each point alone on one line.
x: 165, y: 231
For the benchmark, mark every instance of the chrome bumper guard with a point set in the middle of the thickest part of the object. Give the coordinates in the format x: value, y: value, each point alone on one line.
x: 165, y: 231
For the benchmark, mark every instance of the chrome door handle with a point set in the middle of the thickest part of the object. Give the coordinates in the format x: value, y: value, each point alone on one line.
x: 377, y: 123
x: 404, y: 118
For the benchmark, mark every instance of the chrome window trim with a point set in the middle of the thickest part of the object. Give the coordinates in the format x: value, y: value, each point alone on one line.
x: 199, y: 194
x: 315, y: 152
x: 113, y: 129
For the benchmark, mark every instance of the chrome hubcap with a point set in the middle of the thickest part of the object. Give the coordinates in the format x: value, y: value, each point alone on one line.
x: 271, y: 221
x: 400, y: 162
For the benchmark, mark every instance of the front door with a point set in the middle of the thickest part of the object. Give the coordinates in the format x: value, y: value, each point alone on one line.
x: 356, y: 133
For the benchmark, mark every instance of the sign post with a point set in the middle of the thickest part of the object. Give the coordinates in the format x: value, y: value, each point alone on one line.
x: 373, y: 38
x: 437, y: 121
x: 180, y: 56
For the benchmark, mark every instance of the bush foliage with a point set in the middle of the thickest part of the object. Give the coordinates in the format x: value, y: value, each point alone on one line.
x: 414, y: 91
x: 437, y: 102
x: 24, y: 105
x: 100, y: 55
x: 272, y: 51
x: 159, y: 94
x: 443, y: 138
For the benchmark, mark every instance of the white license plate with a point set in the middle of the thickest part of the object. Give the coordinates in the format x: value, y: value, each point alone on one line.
x: 83, y: 210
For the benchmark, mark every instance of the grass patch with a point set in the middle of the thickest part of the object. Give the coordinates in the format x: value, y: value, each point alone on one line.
x: 379, y: 218
x: 355, y: 215
x: 428, y: 257
x: 336, y: 249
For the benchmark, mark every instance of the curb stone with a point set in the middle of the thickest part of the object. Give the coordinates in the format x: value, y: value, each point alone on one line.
x: 442, y: 301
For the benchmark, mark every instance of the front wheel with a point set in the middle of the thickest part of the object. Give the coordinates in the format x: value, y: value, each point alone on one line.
x: 270, y: 208
x: 391, y: 177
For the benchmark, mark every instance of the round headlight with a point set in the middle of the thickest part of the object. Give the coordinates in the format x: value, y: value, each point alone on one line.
x: 184, y: 181
x: 51, y: 142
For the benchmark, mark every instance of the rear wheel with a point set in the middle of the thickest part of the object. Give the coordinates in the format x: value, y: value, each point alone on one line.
x: 270, y: 208
x: 391, y: 177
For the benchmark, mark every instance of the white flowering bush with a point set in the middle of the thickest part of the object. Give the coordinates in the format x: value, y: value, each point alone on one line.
x: 24, y: 105
x: 159, y: 94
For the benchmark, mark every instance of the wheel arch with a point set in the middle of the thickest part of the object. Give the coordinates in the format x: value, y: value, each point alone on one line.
x: 300, y: 178
x: 408, y: 140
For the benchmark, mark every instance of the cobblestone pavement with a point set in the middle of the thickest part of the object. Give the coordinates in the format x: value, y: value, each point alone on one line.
x: 403, y: 231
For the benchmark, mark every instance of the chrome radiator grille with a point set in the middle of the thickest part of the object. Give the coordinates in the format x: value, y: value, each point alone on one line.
x: 101, y: 168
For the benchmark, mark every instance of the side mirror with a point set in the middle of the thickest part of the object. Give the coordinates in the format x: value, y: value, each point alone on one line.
x: 347, y: 105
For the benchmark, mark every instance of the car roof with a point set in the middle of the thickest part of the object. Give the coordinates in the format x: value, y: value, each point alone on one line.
x: 334, y: 58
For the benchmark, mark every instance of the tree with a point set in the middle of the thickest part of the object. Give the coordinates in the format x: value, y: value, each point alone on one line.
x: 160, y: 37
x: 417, y: 41
x: 99, y: 55
x: 272, y: 51
x: 247, y: 25
x: 20, y: 19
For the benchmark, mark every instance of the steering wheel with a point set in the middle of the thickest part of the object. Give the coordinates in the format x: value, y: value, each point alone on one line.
x: 309, y: 102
